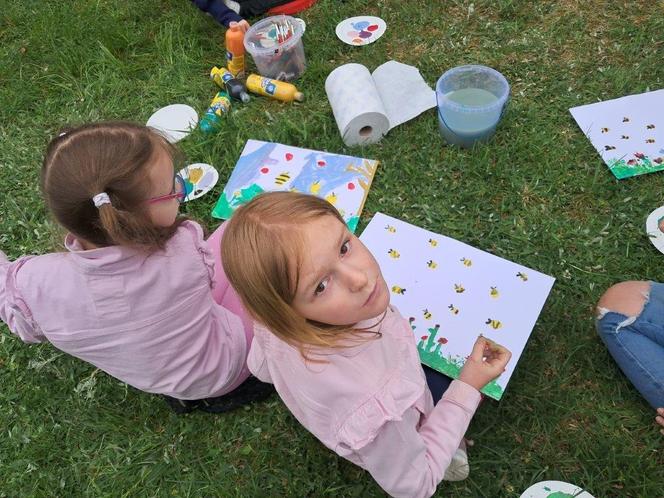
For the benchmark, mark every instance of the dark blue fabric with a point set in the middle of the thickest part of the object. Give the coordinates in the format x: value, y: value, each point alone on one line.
x: 437, y: 382
x: 218, y: 10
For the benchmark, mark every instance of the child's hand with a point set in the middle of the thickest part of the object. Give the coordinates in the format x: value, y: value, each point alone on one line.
x: 485, y: 363
x: 244, y: 25
x: 660, y: 418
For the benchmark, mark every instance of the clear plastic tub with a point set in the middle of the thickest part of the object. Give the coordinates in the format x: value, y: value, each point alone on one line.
x: 275, y: 44
x: 471, y: 101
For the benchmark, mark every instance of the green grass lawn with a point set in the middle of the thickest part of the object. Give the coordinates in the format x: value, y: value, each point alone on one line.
x: 538, y: 194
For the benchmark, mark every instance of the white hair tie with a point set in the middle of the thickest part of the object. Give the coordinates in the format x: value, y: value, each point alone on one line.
x: 101, y: 199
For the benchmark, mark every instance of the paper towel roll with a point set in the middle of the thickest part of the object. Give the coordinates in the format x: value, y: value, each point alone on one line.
x: 358, y: 110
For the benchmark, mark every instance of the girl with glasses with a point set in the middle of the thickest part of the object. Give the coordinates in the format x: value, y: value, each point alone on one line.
x: 132, y: 293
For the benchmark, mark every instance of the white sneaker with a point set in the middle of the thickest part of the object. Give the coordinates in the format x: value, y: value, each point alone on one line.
x: 234, y: 6
x: 459, y: 468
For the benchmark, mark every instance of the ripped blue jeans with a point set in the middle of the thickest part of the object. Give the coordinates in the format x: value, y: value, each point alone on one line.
x: 637, y: 344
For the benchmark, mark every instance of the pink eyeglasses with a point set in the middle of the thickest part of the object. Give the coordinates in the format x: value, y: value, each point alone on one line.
x: 179, y: 191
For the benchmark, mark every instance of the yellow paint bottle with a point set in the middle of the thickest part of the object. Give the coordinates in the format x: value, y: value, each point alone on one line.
x: 279, y: 90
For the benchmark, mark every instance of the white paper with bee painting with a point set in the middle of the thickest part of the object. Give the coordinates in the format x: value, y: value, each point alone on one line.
x: 343, y: 181
x: 627, y: 132
x: 451, y: 293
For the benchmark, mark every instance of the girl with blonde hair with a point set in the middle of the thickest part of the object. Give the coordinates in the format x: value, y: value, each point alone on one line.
x: 342, y: 358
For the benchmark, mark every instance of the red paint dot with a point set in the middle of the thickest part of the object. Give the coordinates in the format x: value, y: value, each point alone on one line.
x: 351, y: 186
x: 289, y: 156
x: 265, y: 170
x: 321, y: 163
x: 373, y: 27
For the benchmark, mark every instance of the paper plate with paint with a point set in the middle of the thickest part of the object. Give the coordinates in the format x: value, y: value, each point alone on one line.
x: 655, y: 228
x: 199, y: 178
x: 555, y: 489
x: 360, y: 30
x: 175, y: 121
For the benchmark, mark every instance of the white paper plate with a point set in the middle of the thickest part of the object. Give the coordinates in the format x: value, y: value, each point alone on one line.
x: 555, y: 489
x: 653, y: 230
x: 175, y: 121
x: 199, y: 179
x: 360, y: 30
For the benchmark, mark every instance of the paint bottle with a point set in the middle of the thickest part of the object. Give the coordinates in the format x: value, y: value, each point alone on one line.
x: 279, y: 90
x: 235, y: 51
x: 211, y: 121
x: 226, y: 81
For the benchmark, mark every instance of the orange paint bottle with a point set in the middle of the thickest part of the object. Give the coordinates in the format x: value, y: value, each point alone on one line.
x: 235, y: 51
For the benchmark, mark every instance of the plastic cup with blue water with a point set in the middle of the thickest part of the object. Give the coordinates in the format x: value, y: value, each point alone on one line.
x: 471, y: 101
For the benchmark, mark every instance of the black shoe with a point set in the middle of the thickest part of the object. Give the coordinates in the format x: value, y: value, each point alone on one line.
x: 181, y: 406
x: 250, y: 391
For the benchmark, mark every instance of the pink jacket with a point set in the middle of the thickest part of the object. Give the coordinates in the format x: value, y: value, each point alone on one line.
x: 149, y: 320
x: 370, y: 404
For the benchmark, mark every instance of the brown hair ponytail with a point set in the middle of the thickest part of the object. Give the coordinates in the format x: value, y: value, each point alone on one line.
x: 112, y: 158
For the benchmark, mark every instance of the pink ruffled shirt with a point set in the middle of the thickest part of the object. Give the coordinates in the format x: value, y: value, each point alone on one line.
x: 370, y: 404
x: 149, y: 320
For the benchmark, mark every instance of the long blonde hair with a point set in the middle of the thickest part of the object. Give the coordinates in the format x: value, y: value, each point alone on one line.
x: 262, y: 251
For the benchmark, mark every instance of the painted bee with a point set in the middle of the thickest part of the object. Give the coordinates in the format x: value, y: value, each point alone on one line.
x: 282, y: 178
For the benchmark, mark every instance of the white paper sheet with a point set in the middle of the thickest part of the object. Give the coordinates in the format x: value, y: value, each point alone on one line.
x: 436, y: 280
x: 627, y: 132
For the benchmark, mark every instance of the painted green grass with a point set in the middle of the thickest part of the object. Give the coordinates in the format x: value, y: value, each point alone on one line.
x: 538, y: 194
x: 224, y: 209
x: 431, y: 355
x: 622, y: 169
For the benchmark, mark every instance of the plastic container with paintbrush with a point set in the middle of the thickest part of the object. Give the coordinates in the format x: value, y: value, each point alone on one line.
x: 275, y: 44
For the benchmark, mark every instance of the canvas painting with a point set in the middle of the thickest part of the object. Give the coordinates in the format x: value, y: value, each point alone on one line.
x: 627, y: 132
x: 452, y: 292
x: 344, y: 181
